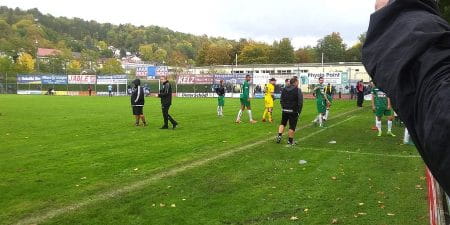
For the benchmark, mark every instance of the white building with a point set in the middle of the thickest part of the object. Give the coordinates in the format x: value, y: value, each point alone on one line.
x: 356, y: 71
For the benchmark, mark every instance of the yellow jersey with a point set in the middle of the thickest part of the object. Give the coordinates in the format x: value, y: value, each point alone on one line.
x: 270, y: 90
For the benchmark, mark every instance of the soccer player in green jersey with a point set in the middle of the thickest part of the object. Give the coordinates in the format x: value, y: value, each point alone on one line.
x: 329, y: 92
x: 381, y: 106
x: 220, y: 91
x: 321, y: 101
x: 245, y: 101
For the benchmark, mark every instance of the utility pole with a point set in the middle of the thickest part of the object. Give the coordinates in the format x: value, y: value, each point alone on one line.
x: 37, y: 55
x: 323, y: 68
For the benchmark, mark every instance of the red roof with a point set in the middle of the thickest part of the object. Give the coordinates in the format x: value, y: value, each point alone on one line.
x: 46, y: 52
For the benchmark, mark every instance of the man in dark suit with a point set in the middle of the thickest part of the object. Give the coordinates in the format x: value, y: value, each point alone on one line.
x: 166, y: 101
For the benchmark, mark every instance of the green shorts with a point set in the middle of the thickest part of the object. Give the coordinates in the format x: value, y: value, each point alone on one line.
x: 245, y: 102
x: 380, y: 112
x: 221, y: 101
x: 321, y: 106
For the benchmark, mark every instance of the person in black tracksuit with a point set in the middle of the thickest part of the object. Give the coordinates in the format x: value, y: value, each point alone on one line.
x: 407, y: 54
x: 166, y: 101
x: 137, y: 102
x: 292, y: 105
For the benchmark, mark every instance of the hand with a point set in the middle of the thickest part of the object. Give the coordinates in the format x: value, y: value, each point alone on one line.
x: 373, y: 108
x: 389, y: 107
x: 380, y: 4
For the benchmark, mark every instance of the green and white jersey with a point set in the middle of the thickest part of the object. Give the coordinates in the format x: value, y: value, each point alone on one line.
x: 319, y: 92
x: 245, y: 90
x: 380, y: 98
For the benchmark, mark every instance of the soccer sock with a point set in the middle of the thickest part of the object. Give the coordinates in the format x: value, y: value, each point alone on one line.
x: 270, y: 116
x: 218, y: 110
x: 221, y: 110
x: 316, y: 119
x: 265, y: 113
x: 239, y: 115
x: 326, y: 114
x: 320, y: 120
x: 250, y: 115
x: 280, y: 134
x: 378, y: 123
x: 389, y: 125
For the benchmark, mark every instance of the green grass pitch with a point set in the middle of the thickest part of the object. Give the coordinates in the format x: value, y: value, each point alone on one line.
x: 80, y: 160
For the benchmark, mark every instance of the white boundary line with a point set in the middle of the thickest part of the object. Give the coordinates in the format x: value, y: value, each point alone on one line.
x: 49, y: 214
x: 361, y: 153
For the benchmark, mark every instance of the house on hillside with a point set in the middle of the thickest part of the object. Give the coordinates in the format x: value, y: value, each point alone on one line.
x: 44, y: 54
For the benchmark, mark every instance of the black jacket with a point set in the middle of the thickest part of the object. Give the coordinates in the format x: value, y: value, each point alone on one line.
x: 407, y: 53
x: 166, y: 94
x: 292, y: 100
x: 137, y: 96
x: 220, y: 90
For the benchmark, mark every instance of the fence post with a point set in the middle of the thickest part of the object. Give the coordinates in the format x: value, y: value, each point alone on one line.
x: 6, y: 83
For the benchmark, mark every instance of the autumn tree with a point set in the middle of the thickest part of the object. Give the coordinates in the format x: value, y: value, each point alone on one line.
x: 111, y: 66
x: 305, y: 55
x: 6, y: 65
x: 146, y: 52
x: 333, y: 48
x: 282, y: 52
x: 255, y: 53
x: 74, y: 67
x: 160, y: 56
x: 25, y: 63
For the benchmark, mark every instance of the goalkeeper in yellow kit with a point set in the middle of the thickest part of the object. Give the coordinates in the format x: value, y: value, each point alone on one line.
x: 269, y: 98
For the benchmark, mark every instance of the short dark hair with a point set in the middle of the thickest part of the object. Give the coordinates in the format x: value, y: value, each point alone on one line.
x: 286, y: 80
x: 320, y: 78
x: 293, y: 80
x: 248, y: 75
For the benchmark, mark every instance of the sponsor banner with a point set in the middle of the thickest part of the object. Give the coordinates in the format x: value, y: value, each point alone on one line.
x: 196, y: 95
x: 54, y: 79
x: 30, y: 92
x: 230, y: 78
x: 261, y: 95
x: 153, y: 71
x: 261, y: 79
x: 334, y: 78
x: 142, y: 71
x: 186, y: 79
x: 195, y: 79
x: 82, y: 79
x: 113, y: 79
x: 162, y: 71
x: 28, y: 79
x: 204, y: 79
x: 103, y: 93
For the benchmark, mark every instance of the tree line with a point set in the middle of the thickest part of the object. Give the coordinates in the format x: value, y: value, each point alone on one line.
x: 22, y: 31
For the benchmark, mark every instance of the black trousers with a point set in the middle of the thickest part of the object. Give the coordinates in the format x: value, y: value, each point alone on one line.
x: 360, y: 99
x: 167, y: 117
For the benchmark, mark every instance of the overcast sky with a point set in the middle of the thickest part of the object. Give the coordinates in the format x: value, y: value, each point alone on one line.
x: 303, y: 21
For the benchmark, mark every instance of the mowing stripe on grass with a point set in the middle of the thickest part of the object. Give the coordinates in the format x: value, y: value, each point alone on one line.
x: 363, y: 153
x: 325, y: 128
x: 46, y: 215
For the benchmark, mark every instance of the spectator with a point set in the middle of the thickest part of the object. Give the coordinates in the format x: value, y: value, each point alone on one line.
x: 406, y: 53
x: 360, y: 93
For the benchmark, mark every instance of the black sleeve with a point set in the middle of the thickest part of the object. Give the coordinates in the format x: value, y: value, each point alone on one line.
x: 164, y: 90
x: 300, y: 101
x: 282, y: 101
x: 406, y: 53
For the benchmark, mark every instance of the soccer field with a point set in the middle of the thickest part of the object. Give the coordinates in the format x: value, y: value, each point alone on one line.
x: 80, y: 160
